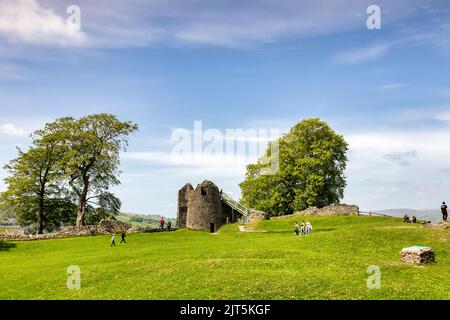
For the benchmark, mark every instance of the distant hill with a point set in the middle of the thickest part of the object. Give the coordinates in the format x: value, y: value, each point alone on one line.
x: 428, y: 214
x: 143, y: 220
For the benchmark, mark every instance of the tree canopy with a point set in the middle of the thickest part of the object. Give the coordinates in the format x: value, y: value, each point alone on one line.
x: 312, y: 161
x: 66, y: 174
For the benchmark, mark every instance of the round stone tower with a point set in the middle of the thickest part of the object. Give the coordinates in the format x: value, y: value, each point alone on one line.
x: 183, y: 198
x: 205, y: 208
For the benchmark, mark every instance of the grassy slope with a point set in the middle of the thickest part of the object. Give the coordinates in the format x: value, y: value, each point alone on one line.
x: 329, y: 264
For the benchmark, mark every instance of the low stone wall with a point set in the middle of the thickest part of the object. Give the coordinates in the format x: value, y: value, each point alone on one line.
x: 331, y: 210
x: 151, y: 229
x: 255, y: 215
x: 104, y: 227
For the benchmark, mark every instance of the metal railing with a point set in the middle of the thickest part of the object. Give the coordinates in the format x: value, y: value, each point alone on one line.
x: 234, y: 204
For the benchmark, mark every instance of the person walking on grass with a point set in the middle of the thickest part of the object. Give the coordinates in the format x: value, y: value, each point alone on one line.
x: 161, y: 223
x: 302, y: 228
x: 296, y: 230
x: 123, y: 237
x: 444, y: 211
x: 308, y: 227
x: 113, y: 240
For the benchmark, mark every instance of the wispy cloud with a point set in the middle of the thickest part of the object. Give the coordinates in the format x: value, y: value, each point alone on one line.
x: 11, y: 129
x: 402, y: 158
x: 114, y: 23
x: 191, y: 159
x: 361, y: 55
x: 11, y: 72
x: 423, y: 113
x: 442, y: 116
x: 392, y: 86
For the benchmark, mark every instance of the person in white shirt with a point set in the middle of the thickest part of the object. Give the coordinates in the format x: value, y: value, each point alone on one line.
x: 113, y: 240
x: 308, y: 227
x: 302, y: 228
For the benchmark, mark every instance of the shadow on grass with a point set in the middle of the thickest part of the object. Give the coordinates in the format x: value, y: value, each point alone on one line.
x: 5, y: 246
x: 292, y: 231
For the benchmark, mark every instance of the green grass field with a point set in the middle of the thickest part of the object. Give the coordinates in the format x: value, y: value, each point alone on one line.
x: 267, y: 264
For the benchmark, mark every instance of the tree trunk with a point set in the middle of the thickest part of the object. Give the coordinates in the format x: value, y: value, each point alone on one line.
x: 40, y: 216
x: 81, y: 211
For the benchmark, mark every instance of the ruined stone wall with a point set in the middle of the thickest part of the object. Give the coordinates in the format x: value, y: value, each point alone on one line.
x: 182, y: 209
x: 205, y: 207
x: 104, y: 227
x: 255, y: 215
x: 331, y: 210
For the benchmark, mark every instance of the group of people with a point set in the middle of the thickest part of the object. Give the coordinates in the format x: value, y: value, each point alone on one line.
x: 162, y: 222
x: 443, y: 211
x: 304, y: 229
x: 113, y: 239
x: 407, y: 219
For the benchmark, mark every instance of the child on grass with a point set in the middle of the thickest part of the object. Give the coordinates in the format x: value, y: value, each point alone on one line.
x: 308, y: 227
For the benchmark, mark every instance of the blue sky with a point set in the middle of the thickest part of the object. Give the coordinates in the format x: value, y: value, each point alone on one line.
x: 231, y: 64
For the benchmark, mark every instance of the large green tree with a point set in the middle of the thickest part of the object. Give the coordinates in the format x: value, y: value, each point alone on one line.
x: 34, y: 179
x: 65, y: 176
x: 92, y: 161
x: 312, y: 161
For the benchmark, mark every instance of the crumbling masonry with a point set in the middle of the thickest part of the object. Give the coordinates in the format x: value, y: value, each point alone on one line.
x: 202, y: 208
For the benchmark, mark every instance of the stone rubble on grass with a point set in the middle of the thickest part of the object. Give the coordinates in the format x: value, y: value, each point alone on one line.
x: 417, y: 254
x: 440, y: 225
x: 104, y: 227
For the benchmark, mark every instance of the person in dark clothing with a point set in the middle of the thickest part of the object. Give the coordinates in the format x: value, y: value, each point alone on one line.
x: 169, y: 225
x: 414, y: 219
x: 444, y: 211
x: 296, y: 230
x: 406, y: 218
x: 161, y: 223
x: 123, y: 238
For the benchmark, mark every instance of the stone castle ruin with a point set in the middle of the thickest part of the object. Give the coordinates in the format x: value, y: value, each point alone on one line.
x: 207, y: 208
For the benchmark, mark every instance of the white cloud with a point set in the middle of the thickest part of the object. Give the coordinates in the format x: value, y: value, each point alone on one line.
x: 373, y: 177
x: 25, y: 21
x: 437, y: 112
x: 392, y: 86
x: 10, y: 129
x: 361, y: 55
x: 427, y: 143
x: 442, y: 116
